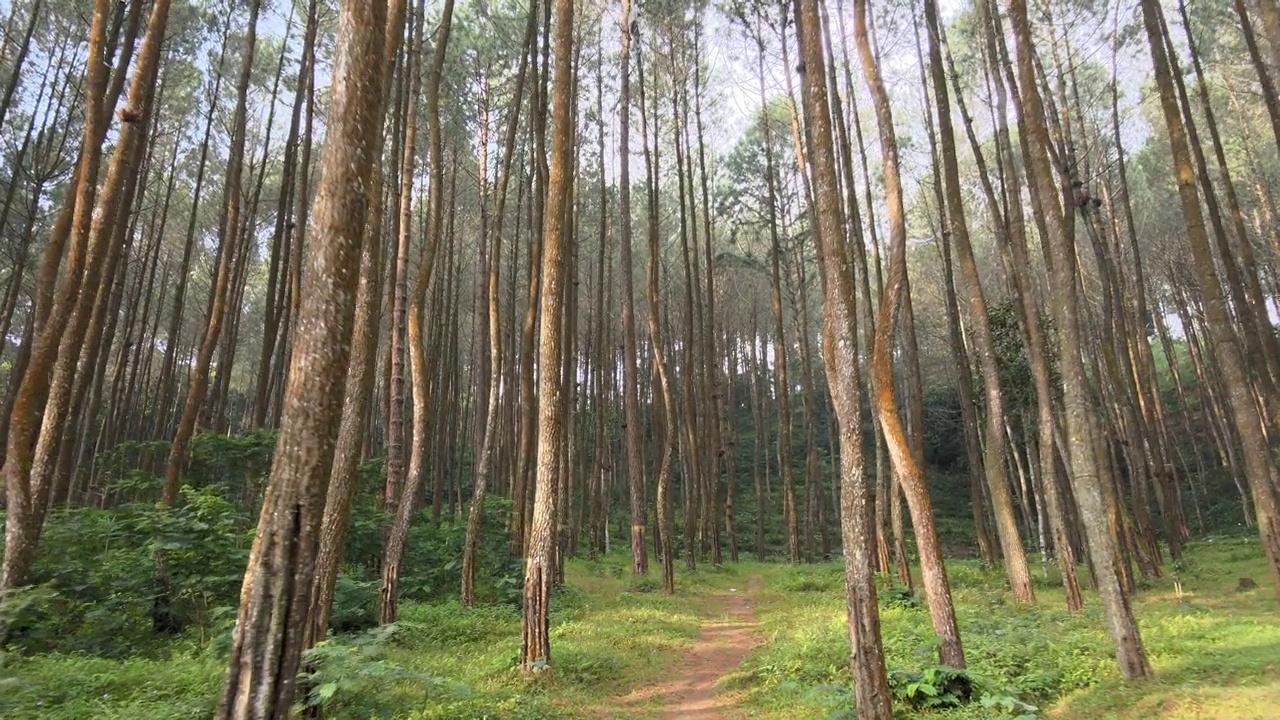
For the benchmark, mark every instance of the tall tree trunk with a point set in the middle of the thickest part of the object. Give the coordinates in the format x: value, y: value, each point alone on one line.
x: 1259, y: 467
x: 539, y: 567
x: 1015, y: 558
x: 906, y: 465
x: 637, y: 482
x: 270, y: 630
x: 228, y: 248
x: 24, y: 509
x: 840, y: 356
x: 406, y: 506
x: 665, y: 410
x: 163, y: 413
x: 362, y: 366
x: 284, y: 226
x: 1006, y: 213
x: 1080, y: 425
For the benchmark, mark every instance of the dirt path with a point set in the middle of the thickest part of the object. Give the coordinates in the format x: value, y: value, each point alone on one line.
x: 689, y: 693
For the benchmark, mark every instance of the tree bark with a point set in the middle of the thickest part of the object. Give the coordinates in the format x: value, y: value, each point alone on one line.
x: 840, y: 356
x: 275, y: 601
x: 1080, y: 425
x: 1015, y: 558
x: 539, y: 567
x: 1259, y: 467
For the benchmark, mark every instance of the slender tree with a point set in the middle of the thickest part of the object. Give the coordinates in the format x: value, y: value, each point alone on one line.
x: 536, y: 652
x: 840, y: 357
x: 1080, y: 421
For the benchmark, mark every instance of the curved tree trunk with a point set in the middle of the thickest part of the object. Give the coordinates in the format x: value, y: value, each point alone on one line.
x: 840, y: 356
x: 406, y: 505
x: 906, y: 465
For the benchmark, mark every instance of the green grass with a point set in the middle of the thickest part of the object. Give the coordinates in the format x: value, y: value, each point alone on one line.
x: 610, y: 634
x: 1216, y: 653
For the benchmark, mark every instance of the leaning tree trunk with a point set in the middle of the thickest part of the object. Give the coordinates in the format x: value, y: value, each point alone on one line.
x: 228, y: 245
x: 349, y: 447
x: 905, y: 463
x: 840, y: 356
x: 1080, y: 421
x: 1015, y: 558
x: 275, y: 601
x: 53, y: 311
x: 1013, y: 247
x: 1259, y: 467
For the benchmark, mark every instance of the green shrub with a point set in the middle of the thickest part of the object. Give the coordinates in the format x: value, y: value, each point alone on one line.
x: 932, y: 688
x: 96, y: 570
x: 901, y: 598
x: 347, y: 676
x: 355, y: 605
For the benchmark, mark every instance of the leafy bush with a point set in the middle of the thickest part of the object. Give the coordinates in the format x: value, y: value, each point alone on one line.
x: 1010, y: 705
x: 348, y: 675
x: 901, y: 598
x: 932, y: 688
x: 96, y: 569
x: 644, y: 584
x: 432, y: 564
x: 355, y: 605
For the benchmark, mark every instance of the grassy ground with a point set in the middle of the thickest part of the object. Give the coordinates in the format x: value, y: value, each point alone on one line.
x: 611, y: 634
x: 1216, y: 653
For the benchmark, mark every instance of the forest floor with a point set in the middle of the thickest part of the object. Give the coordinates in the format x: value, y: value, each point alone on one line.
x: 750, y: 640
x: 724, y: 641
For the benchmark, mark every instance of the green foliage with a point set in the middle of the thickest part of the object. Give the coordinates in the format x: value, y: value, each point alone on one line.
x: 1216, y: 644
x: 432, y: 565
x: 644, y: 584
x: 237, y: 465
x: 824, y: 578
x: 233, y: 461
x: 901, y: 598
x: 936, y: 687
x: 1010, y: 705
x: 56, y: 686
x: 518, y: 706
x: 449, y: 624
x: 355, y: 604
x: 95, y: 573
x: 348, y: 675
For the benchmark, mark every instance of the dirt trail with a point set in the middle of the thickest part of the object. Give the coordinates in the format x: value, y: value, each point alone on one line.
x: 689, y: 693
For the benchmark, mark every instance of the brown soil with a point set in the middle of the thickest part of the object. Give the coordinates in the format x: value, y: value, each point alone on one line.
x: 689, y: 692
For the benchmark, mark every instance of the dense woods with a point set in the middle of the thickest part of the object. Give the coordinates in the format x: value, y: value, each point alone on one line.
x: 309, y: 308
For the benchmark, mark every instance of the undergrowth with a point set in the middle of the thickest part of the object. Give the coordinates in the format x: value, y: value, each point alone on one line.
x: 1216, y: 651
